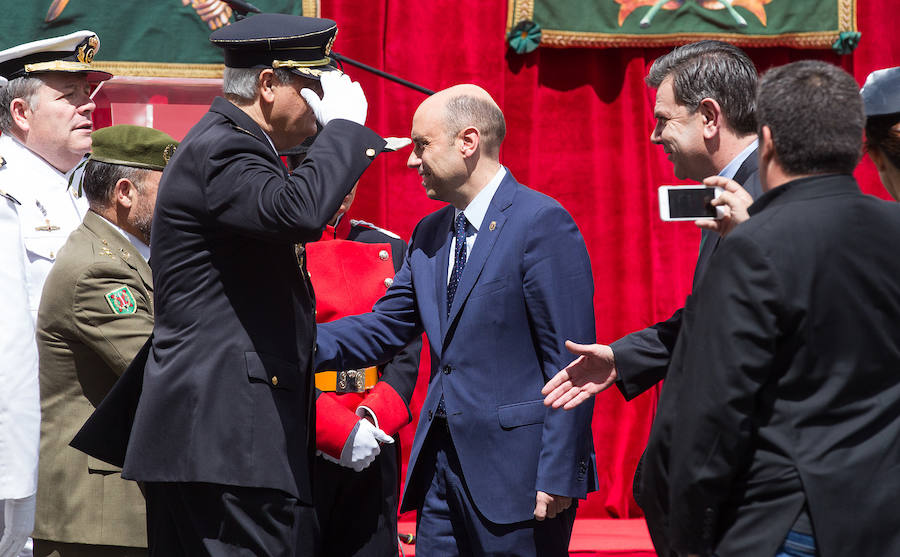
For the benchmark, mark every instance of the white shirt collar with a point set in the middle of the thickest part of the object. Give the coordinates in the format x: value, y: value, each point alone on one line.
x: 477, y: 208
x: 139, y: 245
x: 28, y: 153
x: 270, y: 141
x: 731, y: 168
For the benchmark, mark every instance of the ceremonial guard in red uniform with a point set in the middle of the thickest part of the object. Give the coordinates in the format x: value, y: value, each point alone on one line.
x: 350, y: 269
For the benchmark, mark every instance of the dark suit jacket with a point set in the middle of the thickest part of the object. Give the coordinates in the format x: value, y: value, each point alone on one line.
x: 784, y: 387
x: 227, y: 387
x: 642, y: 357
x: 526, y: 287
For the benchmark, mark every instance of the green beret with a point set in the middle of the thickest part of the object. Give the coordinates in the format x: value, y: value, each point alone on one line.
x: 136, y: 146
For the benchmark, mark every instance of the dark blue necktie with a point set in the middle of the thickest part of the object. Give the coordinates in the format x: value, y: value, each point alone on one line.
x: 459, y: 259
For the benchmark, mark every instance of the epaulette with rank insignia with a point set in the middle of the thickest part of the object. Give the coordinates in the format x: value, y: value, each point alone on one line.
x: 354, y: 222
x: 3, y: 193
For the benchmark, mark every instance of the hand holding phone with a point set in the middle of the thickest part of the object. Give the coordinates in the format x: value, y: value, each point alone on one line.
x: 689, y: 203
x: 734, y: 201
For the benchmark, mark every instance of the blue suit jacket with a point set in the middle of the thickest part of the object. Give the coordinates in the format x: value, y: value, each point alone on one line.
x: 526, y: 288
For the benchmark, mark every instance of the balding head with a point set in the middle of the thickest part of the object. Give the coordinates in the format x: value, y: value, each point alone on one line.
x: 468, y: 105
x: 456, y: 137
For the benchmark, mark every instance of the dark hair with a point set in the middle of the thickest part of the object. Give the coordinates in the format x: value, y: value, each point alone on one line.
x: 100, y: 179
x: 815, y: 113
x: 883, y: 135
x: 715, y: 70
x: 468, y: 110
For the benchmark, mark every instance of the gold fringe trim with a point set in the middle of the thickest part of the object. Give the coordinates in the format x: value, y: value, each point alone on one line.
x: 311, y: 8
x: 519, y: 10
x: 566, y: 39
x: 847, y: 15
x: 159, y: 69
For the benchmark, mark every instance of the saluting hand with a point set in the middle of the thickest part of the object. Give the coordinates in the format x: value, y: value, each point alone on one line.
x: 341, y: 99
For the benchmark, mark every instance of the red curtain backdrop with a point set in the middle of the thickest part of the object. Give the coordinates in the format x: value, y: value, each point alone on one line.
x: 578, y: 125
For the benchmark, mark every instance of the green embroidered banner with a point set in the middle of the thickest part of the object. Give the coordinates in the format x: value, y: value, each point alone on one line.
x: 160, y: 38
x: 646, y: 23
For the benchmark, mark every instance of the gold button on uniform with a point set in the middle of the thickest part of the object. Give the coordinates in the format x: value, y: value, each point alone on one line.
x: 275, y: 380
x: 383, y: 255
x: 370, y: 153
x: 388, y: 282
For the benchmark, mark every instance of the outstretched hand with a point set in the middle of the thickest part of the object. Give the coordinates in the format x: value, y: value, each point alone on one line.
x: 592, y: 372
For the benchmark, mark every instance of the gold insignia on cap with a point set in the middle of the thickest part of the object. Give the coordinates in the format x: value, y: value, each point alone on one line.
x: 169, y: 151
x: 86, y: 51
x: 493, y: 225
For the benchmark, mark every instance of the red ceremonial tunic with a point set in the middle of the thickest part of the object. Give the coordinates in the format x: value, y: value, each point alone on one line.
x: 348, y: 278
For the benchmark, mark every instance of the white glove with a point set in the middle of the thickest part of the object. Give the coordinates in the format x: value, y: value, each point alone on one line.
x: 361, y: 447
x: 16, y: 524
x: 341, y: 98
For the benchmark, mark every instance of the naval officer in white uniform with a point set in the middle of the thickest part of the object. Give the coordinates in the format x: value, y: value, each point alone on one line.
x: 45, y: 120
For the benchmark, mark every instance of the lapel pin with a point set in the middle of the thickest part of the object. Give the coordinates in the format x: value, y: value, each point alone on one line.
x: 492, y: 226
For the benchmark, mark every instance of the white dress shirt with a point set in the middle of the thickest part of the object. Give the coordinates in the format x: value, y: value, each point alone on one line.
x: 475, y: 211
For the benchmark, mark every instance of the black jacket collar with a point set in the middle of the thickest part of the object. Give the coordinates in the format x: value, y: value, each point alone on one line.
x: 820, y: 185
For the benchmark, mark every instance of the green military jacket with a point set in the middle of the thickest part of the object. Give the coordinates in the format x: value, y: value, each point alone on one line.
x: 96, y: 312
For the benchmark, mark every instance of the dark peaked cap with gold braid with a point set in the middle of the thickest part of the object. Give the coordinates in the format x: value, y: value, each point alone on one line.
x: 297, y: 43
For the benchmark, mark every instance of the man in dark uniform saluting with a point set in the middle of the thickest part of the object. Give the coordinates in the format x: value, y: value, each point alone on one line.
x: 223, y: 433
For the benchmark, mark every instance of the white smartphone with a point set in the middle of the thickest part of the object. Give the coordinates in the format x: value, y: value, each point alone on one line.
x: 688, y: 203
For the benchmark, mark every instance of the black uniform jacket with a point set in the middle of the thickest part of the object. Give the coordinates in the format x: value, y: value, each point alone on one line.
x: 227, y: 386
x: 785, y: 384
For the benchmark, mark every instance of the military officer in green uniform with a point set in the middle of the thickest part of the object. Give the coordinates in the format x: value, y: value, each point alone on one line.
x: 96, y: 311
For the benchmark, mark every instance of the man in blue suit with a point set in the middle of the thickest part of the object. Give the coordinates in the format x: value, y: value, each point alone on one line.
x: 496, y: 280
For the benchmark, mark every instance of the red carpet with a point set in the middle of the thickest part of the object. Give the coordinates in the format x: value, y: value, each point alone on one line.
x: 603, y: 537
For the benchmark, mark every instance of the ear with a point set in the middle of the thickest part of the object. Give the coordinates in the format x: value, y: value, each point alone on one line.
x: 266, y: 85
x: 21, y: 113
x: 711, y: 113
x: 124, y: 193
x: 766, y: 146
x: 468, y: 140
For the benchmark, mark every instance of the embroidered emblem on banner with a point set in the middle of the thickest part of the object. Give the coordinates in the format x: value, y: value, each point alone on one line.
x: 121, y: 301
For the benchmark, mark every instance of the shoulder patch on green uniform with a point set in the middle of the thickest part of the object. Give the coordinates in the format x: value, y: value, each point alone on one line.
x: 121, y: 300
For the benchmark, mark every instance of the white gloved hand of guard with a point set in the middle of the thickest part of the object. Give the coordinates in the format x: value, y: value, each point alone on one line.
x: 16, y: 524
x: 362, y: 446
x: 341, y: 99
